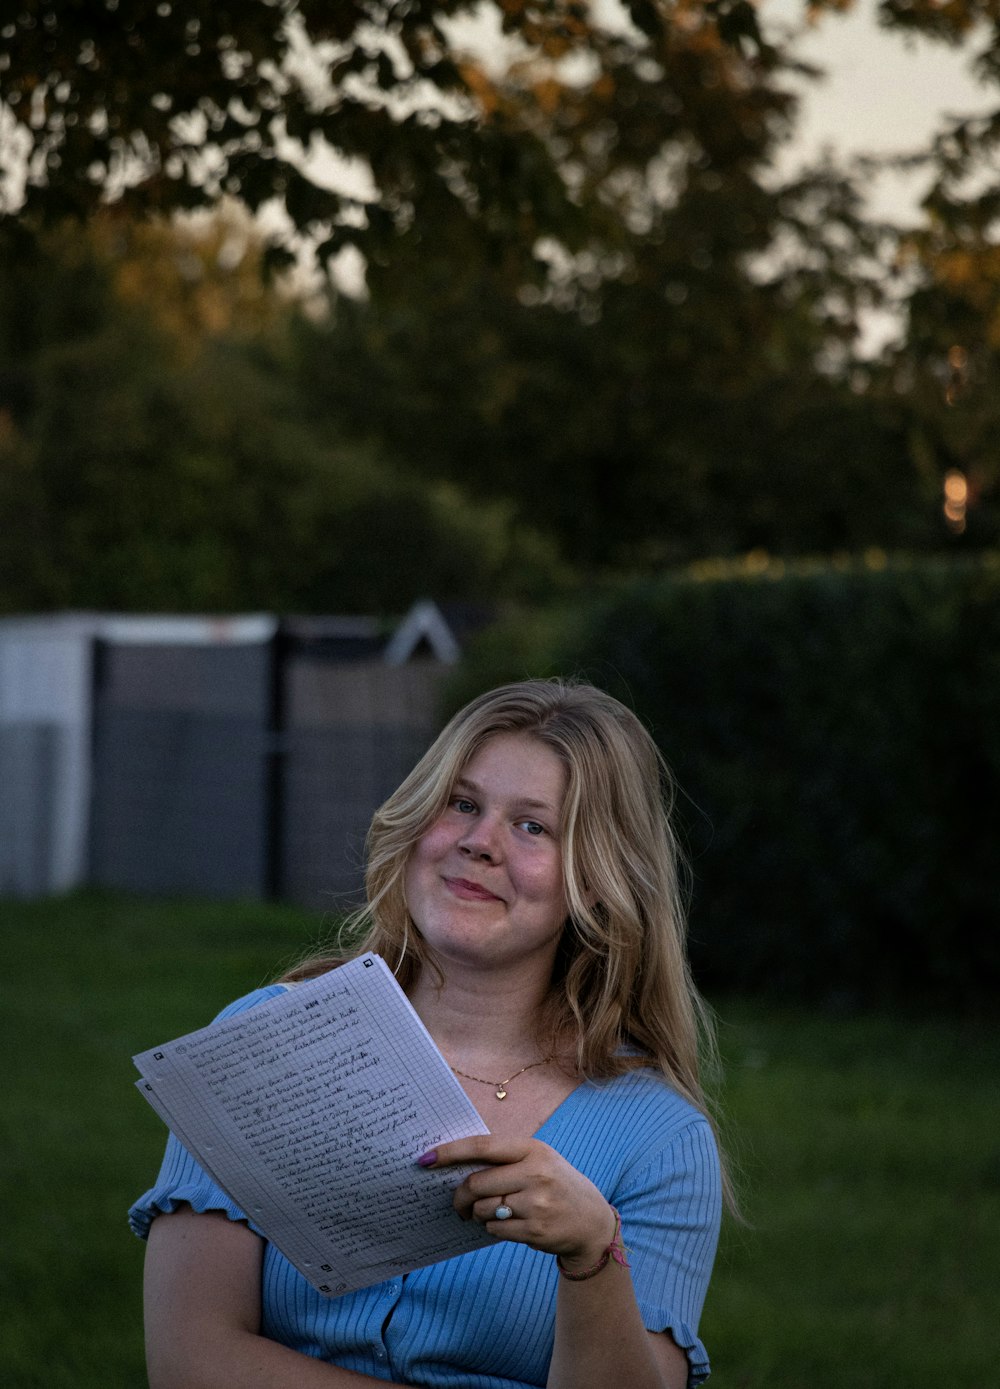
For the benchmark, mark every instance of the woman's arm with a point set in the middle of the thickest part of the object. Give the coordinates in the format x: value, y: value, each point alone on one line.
x: 202, y: 1309
x: 600, y: 1338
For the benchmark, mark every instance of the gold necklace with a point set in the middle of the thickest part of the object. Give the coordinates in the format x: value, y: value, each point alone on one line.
x: 500, y: 1086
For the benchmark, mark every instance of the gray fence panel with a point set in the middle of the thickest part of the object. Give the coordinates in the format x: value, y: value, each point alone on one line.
x: 353, y: 731
x: 231, y: 680
x: 194, y: 795
x: 178, y: 804
x: 334, y: 781
x: 179, y: 775
x: 29, y: 756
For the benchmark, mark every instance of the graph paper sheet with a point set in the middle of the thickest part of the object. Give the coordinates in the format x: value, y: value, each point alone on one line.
x: 310, y: 1110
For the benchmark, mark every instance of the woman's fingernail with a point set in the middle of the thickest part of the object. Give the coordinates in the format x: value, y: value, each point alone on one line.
x: 428, y: 1159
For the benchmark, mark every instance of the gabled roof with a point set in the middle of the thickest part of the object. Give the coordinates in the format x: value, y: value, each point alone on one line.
x: 422, y: 625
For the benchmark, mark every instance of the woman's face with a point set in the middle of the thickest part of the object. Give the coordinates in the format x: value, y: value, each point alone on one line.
x: 484, y: 884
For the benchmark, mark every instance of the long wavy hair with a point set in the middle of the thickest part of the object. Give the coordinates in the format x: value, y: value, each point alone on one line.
x: 622, y: 993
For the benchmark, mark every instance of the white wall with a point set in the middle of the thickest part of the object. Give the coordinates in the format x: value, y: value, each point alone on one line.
x: 45, y: 683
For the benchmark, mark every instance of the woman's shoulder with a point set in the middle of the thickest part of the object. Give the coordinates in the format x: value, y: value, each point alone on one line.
x: 635, y: 1131
x: 247, y: 1001
x: 644, y: 1099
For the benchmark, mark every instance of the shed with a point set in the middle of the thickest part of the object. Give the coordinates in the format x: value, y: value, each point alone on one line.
x: 219, y: 756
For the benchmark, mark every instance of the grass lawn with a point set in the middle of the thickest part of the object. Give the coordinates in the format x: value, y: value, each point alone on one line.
x: 869, y: 1151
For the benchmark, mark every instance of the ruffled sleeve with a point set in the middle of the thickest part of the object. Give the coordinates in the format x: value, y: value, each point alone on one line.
x: 671, y: 1210
x: 181, y: 1179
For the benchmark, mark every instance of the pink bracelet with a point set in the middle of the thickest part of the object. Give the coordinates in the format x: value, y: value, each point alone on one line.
x: 615, y: 1250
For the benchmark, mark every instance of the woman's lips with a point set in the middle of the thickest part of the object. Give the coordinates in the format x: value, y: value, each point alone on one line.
x: 470, y: 892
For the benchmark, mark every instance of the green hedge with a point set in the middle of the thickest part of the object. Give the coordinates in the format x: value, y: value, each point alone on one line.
x: 833, y: 729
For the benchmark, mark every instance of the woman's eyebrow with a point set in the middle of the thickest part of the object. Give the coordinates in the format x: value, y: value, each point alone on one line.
x: 464, y: 784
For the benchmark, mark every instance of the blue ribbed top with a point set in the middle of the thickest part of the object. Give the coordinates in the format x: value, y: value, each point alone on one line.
x: 485, y: 1320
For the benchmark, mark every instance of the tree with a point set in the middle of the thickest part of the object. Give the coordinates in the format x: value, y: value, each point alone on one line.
x: 156, y: 463
x: 941, y: 378
x: 946, y: 368
x: 591, y: 301
x: 678, y: 387
x: 170, y: 105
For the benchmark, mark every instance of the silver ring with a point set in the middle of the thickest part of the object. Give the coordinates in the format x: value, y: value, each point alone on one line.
x: 502, y: 1212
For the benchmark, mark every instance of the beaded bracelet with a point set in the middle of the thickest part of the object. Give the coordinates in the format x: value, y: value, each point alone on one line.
x: 615, y: 1250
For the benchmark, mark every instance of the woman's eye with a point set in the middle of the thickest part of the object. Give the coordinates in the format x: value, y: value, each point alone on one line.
x: 463, y: 806
x: 532, y: 827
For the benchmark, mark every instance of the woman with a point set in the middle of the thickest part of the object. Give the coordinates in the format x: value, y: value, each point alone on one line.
x: 522, y: 883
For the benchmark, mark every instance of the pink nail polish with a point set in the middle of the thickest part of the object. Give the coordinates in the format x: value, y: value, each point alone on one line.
x: 428, y: 1159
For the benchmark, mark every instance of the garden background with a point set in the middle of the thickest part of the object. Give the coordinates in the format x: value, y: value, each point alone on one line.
x: 865, y: 1146
x: 317, y: 309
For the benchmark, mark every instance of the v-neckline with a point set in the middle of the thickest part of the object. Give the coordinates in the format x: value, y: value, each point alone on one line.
x: 551, y: 1118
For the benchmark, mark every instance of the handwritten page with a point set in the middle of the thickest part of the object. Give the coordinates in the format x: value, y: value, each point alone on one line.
x: 310, y: 1110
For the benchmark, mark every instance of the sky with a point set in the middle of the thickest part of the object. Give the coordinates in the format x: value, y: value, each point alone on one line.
x: 883, y: 92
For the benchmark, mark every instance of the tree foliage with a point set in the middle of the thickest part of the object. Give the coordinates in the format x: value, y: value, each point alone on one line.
x: 149, y: 461
x: 171, y: 105
x: 679, y: 386
x: 599, y: 332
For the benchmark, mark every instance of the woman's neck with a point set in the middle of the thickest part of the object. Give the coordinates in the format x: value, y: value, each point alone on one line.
x: 480, y: 1018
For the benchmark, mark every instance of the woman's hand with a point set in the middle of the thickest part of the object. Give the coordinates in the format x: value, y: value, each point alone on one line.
x: 555, y: 1208
x: 600, y: 1338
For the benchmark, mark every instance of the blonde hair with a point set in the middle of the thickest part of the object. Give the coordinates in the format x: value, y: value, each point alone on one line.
x: 621, y: 987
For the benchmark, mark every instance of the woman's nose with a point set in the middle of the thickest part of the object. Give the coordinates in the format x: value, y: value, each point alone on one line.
x: 479, y: 842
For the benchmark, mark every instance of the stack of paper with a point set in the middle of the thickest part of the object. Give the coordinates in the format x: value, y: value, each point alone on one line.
x: 310, y: 1111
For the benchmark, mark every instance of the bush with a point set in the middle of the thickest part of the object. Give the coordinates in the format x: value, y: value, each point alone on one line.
x: 833, y: 733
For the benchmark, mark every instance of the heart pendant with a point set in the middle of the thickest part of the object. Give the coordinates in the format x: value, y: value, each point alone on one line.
x: 501, y: 1094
